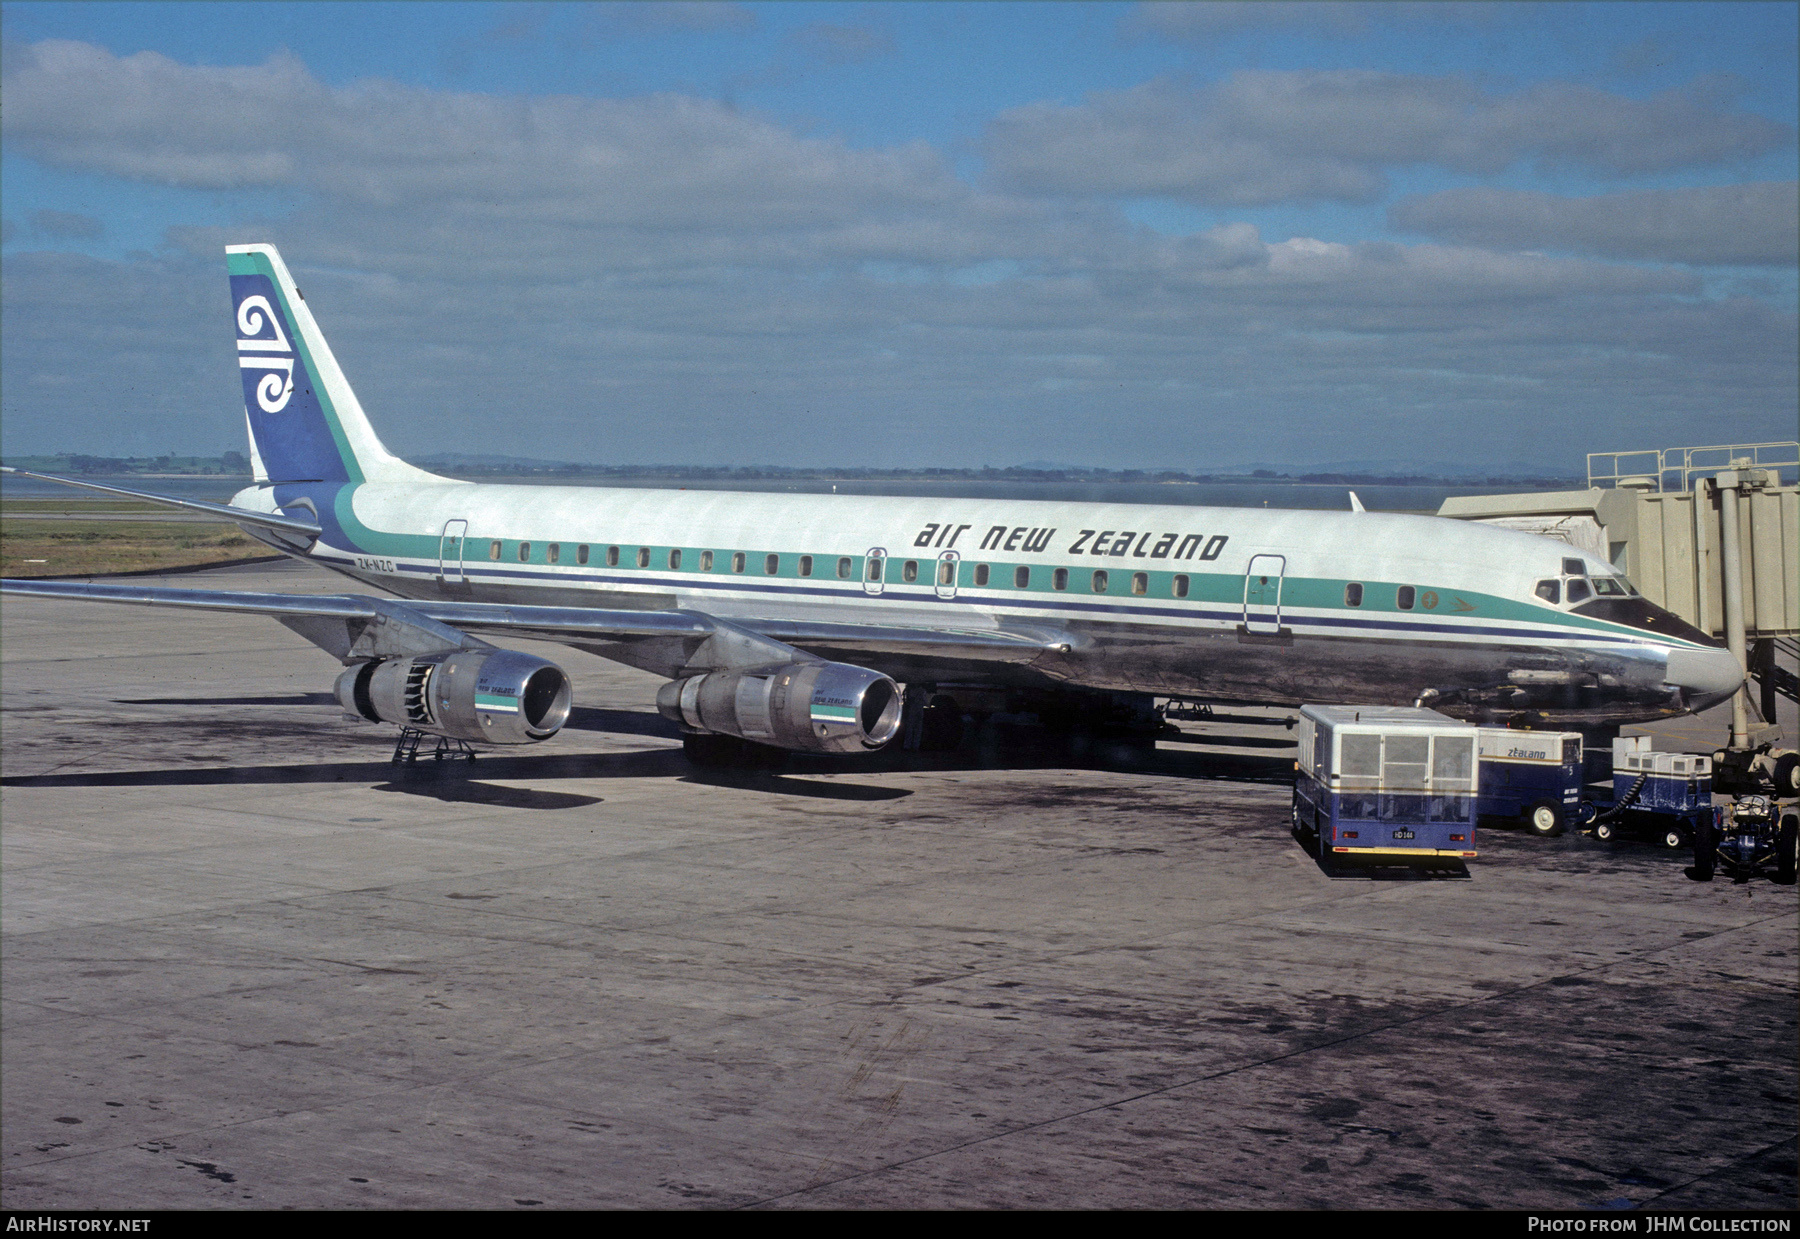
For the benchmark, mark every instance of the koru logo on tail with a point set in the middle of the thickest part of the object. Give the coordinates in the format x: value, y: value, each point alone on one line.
x: 256, y: 352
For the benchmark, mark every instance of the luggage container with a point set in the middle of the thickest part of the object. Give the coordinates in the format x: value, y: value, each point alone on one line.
x: 1385, y: 784
x: 1667, y: 796
x: 1535, y: 776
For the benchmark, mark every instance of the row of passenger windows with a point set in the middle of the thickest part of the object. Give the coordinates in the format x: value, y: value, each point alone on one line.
x: 1405, y: 597
x: 1100, y: 582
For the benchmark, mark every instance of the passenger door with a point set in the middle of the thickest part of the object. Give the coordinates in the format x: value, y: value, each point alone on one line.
x: 1262, y: 594
x: 450, y: 552
x: 948, y: 565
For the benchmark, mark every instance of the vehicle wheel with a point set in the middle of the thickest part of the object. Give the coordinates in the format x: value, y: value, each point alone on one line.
x: 1787, y: 775
x: 1603, y: 831
x: 1787, y: 849
x: 1544, y: 819
x: 1672, y: 839
x: 1306, y: 823
x: 1706, y: 850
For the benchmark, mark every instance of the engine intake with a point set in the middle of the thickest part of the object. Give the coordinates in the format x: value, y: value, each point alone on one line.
x: 808, y: 707
x: 494, y: 696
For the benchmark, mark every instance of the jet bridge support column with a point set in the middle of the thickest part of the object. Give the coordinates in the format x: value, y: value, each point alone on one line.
x: 1728, y: 483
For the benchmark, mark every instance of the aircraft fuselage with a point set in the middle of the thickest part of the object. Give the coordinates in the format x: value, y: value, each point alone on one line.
x: 1278, y: 606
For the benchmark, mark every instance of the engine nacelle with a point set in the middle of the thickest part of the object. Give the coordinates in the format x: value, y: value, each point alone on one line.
x: 808, y: 707
x: 493, y: 696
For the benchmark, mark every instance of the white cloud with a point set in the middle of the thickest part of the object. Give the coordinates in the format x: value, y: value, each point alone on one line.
x: 1208, y: 21
x: 1261, y: 137
x: 663, y: 159
x: 66, y: 225
x: 1756, y: 224
x: 641, y: 279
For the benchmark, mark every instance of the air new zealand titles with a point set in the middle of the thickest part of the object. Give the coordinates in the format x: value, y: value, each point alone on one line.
x: 1112, y: 542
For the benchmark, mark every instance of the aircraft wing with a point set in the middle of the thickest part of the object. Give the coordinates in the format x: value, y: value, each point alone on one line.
x: 267, y: 520
x: 353, y: 626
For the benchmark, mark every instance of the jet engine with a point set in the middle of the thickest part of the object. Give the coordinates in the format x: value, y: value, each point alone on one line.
x: 488, y: 695
x: 809, y: 707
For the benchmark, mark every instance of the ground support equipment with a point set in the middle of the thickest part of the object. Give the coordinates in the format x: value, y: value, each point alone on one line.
x: 406, y: 749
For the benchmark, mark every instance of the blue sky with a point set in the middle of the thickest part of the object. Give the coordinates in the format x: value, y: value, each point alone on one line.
x: 1184, y: 235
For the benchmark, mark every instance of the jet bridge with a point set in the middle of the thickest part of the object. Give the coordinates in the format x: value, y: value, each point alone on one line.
x: 1709, y: 533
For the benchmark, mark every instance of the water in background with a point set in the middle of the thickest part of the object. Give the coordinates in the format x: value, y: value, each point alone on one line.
x: 1256, y: 494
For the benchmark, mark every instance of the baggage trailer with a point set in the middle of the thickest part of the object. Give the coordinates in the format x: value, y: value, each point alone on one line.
x: 1385, y: 784
x: 1535, y: 776
x: 1667, y: 796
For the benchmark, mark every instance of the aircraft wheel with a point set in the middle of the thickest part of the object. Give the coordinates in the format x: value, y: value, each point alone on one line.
x: 1787, y: 775
x: 1603, y: 831
x: 1544, y: 819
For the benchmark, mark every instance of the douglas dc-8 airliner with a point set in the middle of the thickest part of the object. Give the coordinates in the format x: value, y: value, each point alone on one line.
x: 791, y: 621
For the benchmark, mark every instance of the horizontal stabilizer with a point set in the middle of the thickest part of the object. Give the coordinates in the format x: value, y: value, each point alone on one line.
x: 243, y: 516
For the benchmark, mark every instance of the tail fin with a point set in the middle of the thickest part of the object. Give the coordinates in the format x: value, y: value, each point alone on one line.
x: 305, y: 422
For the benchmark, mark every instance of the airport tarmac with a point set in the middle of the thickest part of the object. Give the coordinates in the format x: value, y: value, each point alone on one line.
x: 247, y: 962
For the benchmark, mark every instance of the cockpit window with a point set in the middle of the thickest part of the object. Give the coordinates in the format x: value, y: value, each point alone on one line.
x: 1574, y: 567
x: 1550, y: 591
x: 1608, y: 585
x: 1578, y: 591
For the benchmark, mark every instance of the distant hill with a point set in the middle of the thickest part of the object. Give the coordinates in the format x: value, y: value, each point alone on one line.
x: 469, y: 465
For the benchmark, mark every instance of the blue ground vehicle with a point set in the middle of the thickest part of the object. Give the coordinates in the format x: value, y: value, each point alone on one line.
x: 1384, y: 784
x: 1667, y: 796
x: 1535, y: 776
x: 1755, y: 832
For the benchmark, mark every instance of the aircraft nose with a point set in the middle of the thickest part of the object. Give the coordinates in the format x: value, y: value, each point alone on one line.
x: 1706, y: 677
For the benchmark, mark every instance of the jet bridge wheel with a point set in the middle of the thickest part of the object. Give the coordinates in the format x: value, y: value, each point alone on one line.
x: 1544, y: 818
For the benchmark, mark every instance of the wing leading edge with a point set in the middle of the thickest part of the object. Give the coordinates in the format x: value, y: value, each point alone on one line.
x: 355, y: 626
